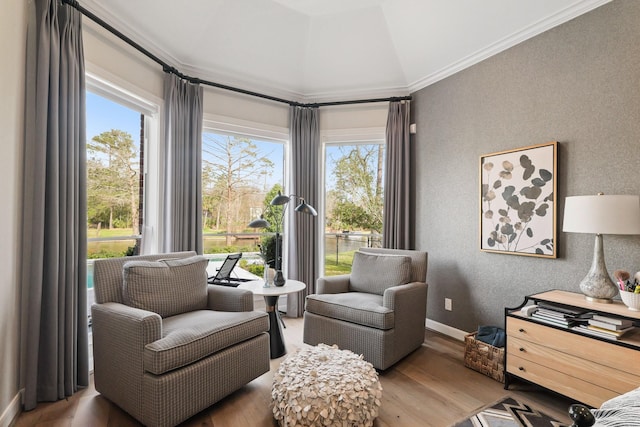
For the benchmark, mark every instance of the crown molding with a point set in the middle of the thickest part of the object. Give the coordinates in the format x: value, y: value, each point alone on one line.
x: 96, y: 8
x: 570, y: 12
x: 226, y: 77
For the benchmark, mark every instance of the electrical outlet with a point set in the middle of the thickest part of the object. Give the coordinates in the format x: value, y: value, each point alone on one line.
x: 448, y: 304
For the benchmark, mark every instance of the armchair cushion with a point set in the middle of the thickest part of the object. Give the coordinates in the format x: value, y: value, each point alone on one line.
x: 375, y: 273
x: 167, y: 287
x: 354, y: 307
x: 189, y: 337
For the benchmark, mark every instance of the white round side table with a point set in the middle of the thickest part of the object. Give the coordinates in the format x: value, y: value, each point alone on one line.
x: 271, y: 295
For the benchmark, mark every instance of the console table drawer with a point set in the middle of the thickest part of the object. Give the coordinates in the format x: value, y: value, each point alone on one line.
x: 592, y: 372
x: 583, y: 347
x: 583, y: 391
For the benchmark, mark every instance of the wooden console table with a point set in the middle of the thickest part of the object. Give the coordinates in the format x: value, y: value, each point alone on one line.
x: 583, y: 367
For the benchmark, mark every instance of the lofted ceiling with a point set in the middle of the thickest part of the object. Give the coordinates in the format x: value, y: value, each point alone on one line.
x: 322, y: 50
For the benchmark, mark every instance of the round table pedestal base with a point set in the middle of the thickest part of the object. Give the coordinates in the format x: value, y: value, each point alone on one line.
x: 276, y: 342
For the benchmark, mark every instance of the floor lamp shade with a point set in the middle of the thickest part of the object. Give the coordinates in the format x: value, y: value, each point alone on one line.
x: 601, y: 214
x: 282, y: 200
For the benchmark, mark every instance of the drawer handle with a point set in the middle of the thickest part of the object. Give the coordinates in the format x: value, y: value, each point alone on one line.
x: 522, y: 349
x: 520, y: 330
x: 521, y: 368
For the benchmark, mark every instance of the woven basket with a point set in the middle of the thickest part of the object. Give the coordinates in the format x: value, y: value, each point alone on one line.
x: 483, y: 357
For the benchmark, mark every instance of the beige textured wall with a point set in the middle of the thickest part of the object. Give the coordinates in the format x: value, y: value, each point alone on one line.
x: 13, y: 25
x: 578, y: 84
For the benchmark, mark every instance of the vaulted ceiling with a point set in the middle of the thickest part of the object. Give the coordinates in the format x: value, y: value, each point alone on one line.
x: 320, y: 50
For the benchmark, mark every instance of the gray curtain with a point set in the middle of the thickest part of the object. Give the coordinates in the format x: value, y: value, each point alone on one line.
x: 181, y: 222
x: 397, y: 210
x: 54, y: 359
x: 304, y: 135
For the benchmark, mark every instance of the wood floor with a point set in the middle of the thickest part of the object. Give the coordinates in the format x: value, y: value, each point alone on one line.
x: 431, y: 387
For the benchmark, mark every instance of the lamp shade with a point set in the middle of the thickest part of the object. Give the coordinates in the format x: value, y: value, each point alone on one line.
x: 259, y: 223
x: 306, y: 208
x: 280, y: 200
x: 602, y: 214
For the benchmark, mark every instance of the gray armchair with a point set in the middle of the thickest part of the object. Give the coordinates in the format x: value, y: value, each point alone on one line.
x: 378, y: 310
x: 167, y: 345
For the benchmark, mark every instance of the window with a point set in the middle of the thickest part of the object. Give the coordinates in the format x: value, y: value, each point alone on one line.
x: 122, y: 168
x: 241, y: 173
x: 354, y: 191
x: 115, y: 185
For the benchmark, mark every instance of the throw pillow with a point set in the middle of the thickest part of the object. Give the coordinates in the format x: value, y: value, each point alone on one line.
x: 167, y: 287
x: 375, y: 273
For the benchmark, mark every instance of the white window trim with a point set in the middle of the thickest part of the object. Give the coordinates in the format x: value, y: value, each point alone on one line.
x: 218, y: 123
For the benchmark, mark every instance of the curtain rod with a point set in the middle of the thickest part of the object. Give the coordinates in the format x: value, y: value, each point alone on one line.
x: 169, y: 69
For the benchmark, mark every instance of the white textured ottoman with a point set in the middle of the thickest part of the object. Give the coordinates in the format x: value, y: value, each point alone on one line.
x: 325, y: 386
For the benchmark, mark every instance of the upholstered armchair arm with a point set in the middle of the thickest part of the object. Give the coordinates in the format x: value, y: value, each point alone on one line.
x: 402, y: 297
x: 226, y: 298
x: 333, y: 284
x: 409, y: 304
x: 118, y: 325
x: 120, y: 334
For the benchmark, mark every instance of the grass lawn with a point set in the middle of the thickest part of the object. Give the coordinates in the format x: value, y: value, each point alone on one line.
x: 212, y: 245
x: 345, y: 260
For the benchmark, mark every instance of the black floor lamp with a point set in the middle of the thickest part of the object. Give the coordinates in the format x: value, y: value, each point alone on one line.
x: 282, y: 200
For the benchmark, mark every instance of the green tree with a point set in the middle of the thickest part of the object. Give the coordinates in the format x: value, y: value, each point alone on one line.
x: 357, y: 194
x: 273, y: 214
x: 112, y: 187
x: 230, y: 166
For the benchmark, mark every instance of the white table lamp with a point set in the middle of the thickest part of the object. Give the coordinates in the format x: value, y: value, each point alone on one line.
x: 601, y: 214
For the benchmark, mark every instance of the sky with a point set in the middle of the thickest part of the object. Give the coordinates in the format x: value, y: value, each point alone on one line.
x: 104, y: 115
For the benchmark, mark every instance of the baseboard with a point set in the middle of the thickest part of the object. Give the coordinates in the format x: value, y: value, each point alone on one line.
x: 445, y: 329
x: 11, y: 413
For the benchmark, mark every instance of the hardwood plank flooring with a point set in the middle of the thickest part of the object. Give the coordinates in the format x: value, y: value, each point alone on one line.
x: 431, y: 388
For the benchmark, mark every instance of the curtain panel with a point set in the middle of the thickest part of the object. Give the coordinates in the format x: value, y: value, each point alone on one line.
x: 181, y: 222
x: 397, y: 226
x: 304, y: 135
x: 54, y: 351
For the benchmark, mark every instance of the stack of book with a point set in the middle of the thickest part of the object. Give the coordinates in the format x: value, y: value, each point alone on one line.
x: 606, y: 327
x: 559, y: 316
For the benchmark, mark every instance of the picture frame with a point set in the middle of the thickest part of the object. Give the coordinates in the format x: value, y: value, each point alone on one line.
x: 518, y: 201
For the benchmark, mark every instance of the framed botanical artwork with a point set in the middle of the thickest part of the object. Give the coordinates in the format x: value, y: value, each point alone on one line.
x: 517, y: 201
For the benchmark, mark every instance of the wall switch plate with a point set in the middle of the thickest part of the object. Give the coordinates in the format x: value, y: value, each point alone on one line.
x: 448, y: 304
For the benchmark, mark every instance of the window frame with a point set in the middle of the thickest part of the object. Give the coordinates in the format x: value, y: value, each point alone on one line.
x: 244, y: 128
x: 115, y: 89
x: 337, y: 137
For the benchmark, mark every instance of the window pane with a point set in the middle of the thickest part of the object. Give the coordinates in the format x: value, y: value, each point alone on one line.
x: 354, y: 199
x: 114, y: 185
x: 239, y: 173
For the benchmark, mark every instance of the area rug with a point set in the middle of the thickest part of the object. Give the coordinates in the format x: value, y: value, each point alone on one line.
x: 508, y: 412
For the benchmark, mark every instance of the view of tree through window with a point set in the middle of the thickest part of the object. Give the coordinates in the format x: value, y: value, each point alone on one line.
x: 354, y: 191
x: 113, y: 178
x: 238, y: 173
